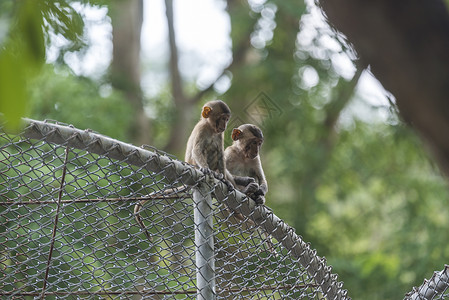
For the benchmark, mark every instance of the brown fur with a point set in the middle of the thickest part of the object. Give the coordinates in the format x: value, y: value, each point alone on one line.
x: 205, y: 145
x: 204, y: 149
x: 242, y: 158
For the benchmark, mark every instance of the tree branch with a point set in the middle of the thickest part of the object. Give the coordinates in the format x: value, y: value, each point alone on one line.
x: 407, y: 45
x: 176, y: 81
x: 237, y: 60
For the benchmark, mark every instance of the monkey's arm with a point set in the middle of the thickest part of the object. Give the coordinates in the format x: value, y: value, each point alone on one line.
x: 233, y: 161
x: 243, y: 180
x: 230, y: 178
x: 263, y: 189
x: 198, y: 155
x: 260, y: 175
x: 259, y: 195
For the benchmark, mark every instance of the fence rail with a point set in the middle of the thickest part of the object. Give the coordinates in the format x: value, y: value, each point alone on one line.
x: 67, y: 227
x: 434, y: 288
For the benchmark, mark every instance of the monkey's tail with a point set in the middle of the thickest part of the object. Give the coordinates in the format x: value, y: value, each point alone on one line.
x: 137, y: 209
x: 269, y: 243
x: 139, y: 205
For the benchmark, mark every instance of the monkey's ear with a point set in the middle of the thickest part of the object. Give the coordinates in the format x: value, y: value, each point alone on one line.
x: 236, y: 134
x: 206, y: 112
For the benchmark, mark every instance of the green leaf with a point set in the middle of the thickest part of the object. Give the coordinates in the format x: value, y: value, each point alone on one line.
x: 12, y: 89
x: 30, y: 32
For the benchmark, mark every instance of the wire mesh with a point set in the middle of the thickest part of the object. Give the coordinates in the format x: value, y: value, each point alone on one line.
x: 68, y: 228
x: 434, y: 288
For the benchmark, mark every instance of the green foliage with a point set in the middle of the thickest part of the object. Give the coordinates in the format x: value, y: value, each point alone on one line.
x: 22, y: 52
x: 79, y: 101
x: 13, y: 98
x: 378, y: 211
x: 23, y: 47
x: 64, y: 21
x: 364, y: 193
x: 162, y: 108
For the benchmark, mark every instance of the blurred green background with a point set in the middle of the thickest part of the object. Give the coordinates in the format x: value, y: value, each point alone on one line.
x: 342, y: 168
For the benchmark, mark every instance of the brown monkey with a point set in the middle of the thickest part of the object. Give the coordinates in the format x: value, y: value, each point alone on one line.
x: 205, y: 144
x: 205, y: 149
x: 242, y: 158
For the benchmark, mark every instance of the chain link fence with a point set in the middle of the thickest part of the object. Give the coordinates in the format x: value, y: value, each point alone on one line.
x: 68, y: 227
x: 434, y: 288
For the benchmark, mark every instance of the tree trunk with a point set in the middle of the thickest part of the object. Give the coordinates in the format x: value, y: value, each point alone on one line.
x: 127, y: 18
x: 185, y: 106
x: 407, y: 45
x: 183, y: 112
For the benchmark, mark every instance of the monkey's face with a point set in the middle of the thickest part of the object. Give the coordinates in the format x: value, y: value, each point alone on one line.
x: 252, y: 147
x: 217, y: 114
x: 221, y: 122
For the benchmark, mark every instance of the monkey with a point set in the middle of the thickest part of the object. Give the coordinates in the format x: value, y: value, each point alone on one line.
x: 205, y: 146
x: 242, y: 158
x: 205, y: 150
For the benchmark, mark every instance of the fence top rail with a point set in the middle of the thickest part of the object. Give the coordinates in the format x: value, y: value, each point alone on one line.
x: 432, y: 288
x: 175, y: 170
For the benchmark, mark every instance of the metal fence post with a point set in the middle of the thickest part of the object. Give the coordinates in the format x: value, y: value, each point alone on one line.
x: 204, y: 243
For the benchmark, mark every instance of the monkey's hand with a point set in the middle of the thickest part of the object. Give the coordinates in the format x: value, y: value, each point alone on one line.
x: 229, y: 185
x: 259, y: 192
x: 259, y: 199
x: 218, y: 175
x: 206, y: 171
x: 251, y: 188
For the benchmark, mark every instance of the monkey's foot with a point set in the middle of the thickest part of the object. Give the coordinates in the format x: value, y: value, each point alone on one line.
x: 206, y: 171
x: 229, y: 185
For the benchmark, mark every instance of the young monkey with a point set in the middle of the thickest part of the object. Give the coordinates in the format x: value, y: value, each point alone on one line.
x: 242, y: 159
x: 205, y: 149
x: 205, y: 144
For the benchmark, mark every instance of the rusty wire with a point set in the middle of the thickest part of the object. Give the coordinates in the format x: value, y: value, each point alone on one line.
x: 67, y: 227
